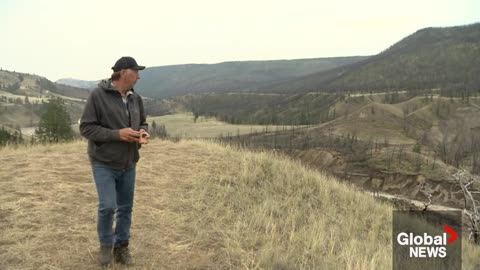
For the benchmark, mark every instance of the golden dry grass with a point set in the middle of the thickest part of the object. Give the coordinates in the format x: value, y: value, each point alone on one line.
x: 198, y: 205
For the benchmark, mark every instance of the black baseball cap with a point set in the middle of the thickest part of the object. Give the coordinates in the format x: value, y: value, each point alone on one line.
x: 126, y: 62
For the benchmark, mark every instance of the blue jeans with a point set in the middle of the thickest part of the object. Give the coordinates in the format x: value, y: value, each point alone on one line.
x: 115, y: 190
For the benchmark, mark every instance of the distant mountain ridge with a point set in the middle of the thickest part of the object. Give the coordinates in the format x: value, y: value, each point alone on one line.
x: 431, y: 58
x: 34, y: 85
x: 230, y: 76
x: 78, y: 83
x: 174, y: 80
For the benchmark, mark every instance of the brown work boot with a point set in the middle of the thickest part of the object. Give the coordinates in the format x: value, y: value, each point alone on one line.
x: 105, y: 255
x: 121, y: 254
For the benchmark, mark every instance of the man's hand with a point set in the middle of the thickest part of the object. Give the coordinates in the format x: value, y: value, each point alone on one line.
x: 129, y: 135
x: 144, y: 131
x: 144, y: 136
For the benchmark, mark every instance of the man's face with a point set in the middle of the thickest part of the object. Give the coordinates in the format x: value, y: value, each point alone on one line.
x: 131, y: 76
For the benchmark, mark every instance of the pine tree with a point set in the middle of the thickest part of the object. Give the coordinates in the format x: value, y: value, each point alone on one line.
x: 4, y: 136
x: 153, y: 131
x: 54, y: 123
x: 9, y: 137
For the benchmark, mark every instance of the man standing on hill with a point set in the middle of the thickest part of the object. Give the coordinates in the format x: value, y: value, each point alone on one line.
x: 114, y: 121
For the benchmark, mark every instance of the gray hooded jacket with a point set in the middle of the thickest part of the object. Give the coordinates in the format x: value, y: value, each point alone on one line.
x: 104, y: 115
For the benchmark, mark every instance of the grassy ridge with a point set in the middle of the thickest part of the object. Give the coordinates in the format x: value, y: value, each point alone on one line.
x: 198, y: 205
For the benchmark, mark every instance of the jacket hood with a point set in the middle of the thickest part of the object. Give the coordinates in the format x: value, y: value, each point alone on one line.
x: 106, y: 84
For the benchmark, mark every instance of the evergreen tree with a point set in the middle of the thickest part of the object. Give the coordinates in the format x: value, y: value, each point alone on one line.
x: 10, y: 137
x: 4, y: 136
x: 157, y: 131
x: 54, y: 123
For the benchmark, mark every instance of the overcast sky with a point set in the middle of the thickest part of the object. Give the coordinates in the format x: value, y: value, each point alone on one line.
x: 83, y: 39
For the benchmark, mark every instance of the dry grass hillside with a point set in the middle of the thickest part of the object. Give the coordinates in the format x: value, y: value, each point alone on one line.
x: 405, y: 122
x: 369, y: 119
x: 198, y: 205
x: 373, y: 121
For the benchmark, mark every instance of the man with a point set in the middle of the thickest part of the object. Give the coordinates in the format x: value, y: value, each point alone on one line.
x: 113, y: 121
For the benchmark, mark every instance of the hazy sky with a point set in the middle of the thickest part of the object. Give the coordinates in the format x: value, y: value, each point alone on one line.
x: 83, y: 39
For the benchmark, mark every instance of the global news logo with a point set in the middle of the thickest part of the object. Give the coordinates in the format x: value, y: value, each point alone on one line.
x: 427, y: 246
x: 423, y: 240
